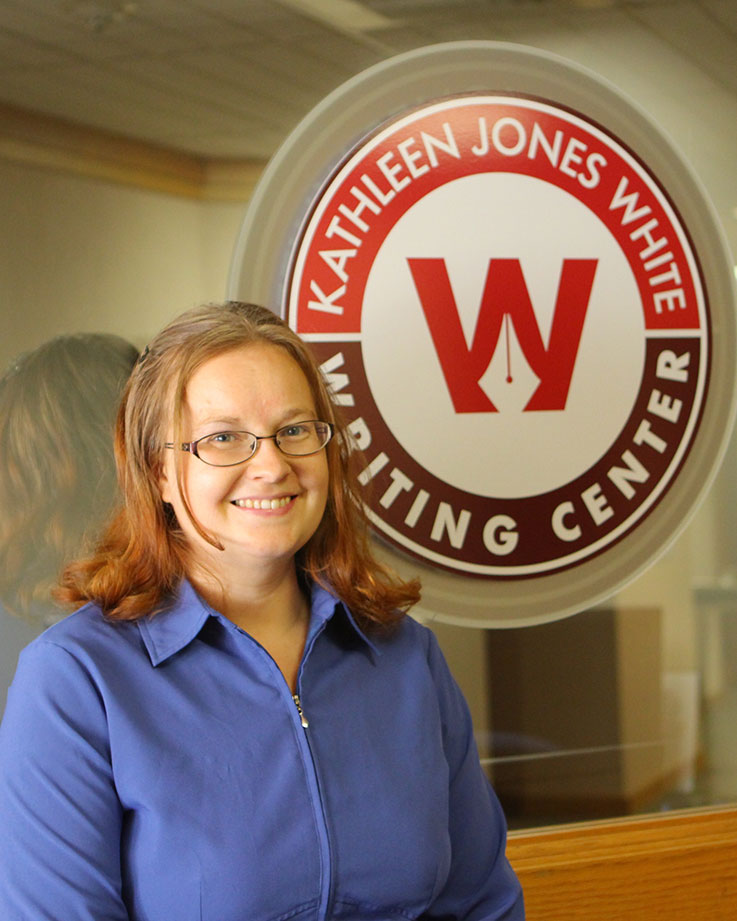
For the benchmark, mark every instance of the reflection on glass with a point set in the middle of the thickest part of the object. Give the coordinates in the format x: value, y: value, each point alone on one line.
x: 57, y: 478
x: 595, y: 716
x: 626, y: 708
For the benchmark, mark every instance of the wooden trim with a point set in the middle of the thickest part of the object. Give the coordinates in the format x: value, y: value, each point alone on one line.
x: 681, y: 865
x: 231, y: 180
x: 52, y: 143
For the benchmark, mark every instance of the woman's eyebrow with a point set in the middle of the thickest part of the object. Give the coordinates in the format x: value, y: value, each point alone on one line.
x: 219, y: 420
x: 236, y: 422
x: 299, y: 413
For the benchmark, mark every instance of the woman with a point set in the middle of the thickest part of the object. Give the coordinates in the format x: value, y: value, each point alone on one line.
x: 239, y: 722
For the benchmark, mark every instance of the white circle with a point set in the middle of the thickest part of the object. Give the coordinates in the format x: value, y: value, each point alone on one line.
x: 513, y: 452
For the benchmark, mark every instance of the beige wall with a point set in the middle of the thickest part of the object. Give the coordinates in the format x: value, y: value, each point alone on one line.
x: 80, y: 254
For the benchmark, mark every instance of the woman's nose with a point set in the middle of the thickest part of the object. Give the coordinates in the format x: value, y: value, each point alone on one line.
x: 268, y: 460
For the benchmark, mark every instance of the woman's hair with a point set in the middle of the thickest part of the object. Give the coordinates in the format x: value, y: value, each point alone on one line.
x: 143, y: 556
x: 57, y: 473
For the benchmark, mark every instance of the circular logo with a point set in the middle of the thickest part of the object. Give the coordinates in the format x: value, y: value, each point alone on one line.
x: 524, y: 304
x: 508, y: 309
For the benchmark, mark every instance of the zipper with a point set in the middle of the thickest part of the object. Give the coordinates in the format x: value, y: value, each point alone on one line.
x: 326, y: 897
x: 302, y: 717
x: 325, y: 910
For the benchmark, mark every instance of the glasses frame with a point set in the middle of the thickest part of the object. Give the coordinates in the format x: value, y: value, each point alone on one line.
x: 192, y: 446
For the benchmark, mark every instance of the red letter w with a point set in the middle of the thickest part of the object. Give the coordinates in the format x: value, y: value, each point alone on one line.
x: 505, y: 294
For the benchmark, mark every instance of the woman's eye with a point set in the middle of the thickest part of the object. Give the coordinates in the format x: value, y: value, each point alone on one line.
x: 222, y: 439
x: 298, y: 430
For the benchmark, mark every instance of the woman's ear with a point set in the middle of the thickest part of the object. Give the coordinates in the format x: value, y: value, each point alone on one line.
x: 165, y: 480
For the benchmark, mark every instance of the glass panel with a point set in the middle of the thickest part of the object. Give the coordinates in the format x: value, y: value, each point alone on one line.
x: 626, y: 708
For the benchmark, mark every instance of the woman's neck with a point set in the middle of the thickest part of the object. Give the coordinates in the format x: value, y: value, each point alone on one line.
x: 271, y: 608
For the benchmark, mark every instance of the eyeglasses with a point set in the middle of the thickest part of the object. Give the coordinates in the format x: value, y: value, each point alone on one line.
x: 226, y: 449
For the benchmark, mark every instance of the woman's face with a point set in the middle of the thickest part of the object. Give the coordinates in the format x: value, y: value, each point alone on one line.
x: 263, y: 510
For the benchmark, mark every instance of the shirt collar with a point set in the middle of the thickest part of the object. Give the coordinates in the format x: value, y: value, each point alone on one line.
x: 168, y: 632
x: 324, y: 605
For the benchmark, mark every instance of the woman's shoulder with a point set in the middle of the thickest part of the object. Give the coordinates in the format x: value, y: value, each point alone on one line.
x: 409, y: 637
x: 115, y: 646
x: 86, y: 635
x: 414, y: 632
x: 67, y: 669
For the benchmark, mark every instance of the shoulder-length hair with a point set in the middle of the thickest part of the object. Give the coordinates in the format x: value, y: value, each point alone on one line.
x: 143, y: 555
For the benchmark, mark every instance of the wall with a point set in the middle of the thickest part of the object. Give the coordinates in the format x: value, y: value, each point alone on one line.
x: 80, y: 254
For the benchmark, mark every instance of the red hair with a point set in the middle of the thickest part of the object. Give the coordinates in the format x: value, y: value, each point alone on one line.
x: 143, y: 554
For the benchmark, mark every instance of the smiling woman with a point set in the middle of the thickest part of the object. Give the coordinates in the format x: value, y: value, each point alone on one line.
x: 176, y: 748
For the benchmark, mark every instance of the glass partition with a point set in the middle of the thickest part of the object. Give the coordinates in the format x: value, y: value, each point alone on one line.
x: 626, y: 708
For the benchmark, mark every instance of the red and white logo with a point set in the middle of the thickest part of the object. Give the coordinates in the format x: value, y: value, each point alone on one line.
x: 509, y: 311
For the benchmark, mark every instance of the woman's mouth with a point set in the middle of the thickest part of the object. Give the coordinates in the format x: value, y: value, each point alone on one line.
x: 264, y: 504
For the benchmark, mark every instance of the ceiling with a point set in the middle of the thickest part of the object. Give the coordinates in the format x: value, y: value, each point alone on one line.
x: 230, y: 78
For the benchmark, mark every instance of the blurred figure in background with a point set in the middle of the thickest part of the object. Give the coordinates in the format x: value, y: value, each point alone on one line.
x: 57, y: 474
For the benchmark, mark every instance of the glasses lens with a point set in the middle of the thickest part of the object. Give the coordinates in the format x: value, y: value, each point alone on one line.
x: 303, y: 437
x: 225, y: 448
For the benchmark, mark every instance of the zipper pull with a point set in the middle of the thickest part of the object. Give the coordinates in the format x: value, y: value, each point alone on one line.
x: 302, y: 717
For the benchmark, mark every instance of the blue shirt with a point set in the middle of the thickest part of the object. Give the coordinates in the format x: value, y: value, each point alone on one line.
x: 159, y: 770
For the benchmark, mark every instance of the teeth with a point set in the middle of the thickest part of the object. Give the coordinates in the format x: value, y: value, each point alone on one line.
x: 263, y: 503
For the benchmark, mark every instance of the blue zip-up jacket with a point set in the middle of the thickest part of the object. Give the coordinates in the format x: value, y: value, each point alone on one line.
x: 161, y: 770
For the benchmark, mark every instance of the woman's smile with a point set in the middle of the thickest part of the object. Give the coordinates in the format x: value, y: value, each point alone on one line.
x: 265, y: 505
